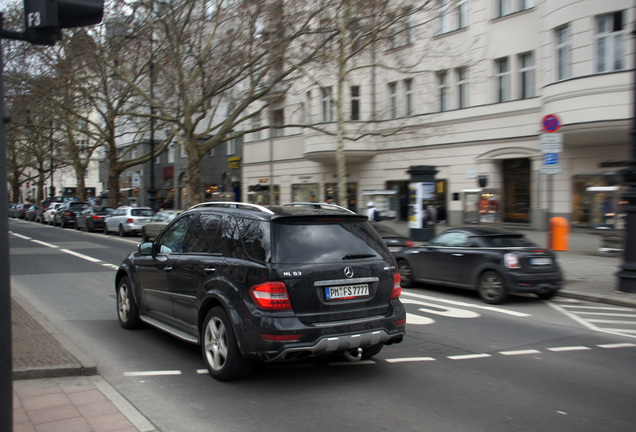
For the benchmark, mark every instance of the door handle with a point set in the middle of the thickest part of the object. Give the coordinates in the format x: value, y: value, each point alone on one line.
x: 167, y: 269
x: 209, y: 270
x: 458, y: 254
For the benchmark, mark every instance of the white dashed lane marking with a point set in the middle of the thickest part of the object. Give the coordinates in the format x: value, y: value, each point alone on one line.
x: 459, y: 357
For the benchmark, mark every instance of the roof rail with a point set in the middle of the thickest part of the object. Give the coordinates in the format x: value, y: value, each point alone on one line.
x: 318, y: 206
x: 230, y: 204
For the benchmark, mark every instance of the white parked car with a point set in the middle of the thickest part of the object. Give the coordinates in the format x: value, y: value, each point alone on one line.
x: 49, y: 215
x: 128, y: 220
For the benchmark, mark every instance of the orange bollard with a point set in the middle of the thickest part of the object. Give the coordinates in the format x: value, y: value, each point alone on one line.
x: 560, y: 234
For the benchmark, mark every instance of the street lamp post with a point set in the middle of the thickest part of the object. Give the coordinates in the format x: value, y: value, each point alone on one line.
x: 152, y: 191
x: 52, y: 194
x: 627, y: 273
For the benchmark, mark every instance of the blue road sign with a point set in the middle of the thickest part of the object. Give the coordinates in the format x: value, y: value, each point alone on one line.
x: 550, y: 158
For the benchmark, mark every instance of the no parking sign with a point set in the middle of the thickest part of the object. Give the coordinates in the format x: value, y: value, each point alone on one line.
x: 551, y: 123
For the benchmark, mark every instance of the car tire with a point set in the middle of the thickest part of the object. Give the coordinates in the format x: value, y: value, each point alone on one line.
x: 122, y: 233
x: 367, y: 353
x: 406, y: 274
x: 127, y: 310
x: 144, y: 236
x: 492, y: 288
x: 221, y: 353
x: 547, y: 295
x: 105, y: 229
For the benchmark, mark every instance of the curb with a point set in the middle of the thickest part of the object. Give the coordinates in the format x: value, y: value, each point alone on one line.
x: 83, y: 366
x: 615, y: 299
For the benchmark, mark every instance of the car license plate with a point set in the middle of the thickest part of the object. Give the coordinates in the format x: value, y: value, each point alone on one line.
x: 347, y: 292
x: 540, y: 261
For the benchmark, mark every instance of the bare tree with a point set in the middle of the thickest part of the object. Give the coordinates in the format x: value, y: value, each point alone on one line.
x: 213, y: 62
x: 356, y: 30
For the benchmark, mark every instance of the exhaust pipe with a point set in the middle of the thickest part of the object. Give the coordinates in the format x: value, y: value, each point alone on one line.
x: 353, y: 355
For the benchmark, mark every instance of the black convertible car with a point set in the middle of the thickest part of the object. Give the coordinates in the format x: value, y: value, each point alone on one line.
x: 494, y: 261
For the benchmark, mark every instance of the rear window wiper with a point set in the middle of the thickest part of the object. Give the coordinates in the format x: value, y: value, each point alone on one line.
x: 356, y: 256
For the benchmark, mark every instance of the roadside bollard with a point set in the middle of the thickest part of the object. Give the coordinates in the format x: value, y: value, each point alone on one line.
x: 559, y: 234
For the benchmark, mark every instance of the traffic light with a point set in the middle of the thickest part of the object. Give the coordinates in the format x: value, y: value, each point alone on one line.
x: 46, y: 18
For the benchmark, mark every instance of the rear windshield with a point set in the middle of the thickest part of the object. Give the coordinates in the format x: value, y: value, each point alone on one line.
x: 509, y: 241
x: 305, y: 240
x: 141, y: 212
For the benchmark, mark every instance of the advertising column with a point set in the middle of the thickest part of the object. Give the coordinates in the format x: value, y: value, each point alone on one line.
x: 422, y: 211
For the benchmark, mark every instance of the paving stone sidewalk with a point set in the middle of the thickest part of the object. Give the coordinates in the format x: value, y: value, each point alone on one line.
x: 56, y: 388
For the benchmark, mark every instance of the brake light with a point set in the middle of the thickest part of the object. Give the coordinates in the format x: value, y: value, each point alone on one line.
x: 397, y: 288
x: 511, y: 260
x: 401, y: 322
x: 409, y: 243
x: 96, y: 217
x: 67, y: 213
x: 271, y: 296
x: 129, y: 221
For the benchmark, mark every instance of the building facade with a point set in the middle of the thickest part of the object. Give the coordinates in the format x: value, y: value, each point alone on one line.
x: 522, y: 106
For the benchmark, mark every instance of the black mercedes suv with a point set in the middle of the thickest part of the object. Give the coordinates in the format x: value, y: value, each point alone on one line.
x: 252, y: 283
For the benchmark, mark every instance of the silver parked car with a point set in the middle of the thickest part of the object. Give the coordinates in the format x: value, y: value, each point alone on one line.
x: 127, y: 220
x: 158, y: 222
x: 49, y: 215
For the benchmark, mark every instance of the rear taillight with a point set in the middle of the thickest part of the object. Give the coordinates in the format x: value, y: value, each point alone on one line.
x: 280, y: 338
x: 397, y: 288
x: 271, y: 296
x: 409, y: 243
x: 511, y: 260
x: 129, y: 221
x: 68, y: 213
x: 96, y: 217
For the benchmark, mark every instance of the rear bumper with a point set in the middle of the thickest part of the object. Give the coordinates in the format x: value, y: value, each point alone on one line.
x: 339, y: 343
x: 320, y: 338
x: 535, y: 283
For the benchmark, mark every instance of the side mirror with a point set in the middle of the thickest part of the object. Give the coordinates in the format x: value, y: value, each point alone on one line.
x: 146, y: 248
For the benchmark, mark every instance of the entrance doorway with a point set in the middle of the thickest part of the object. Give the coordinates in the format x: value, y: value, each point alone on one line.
x: 517, y: 192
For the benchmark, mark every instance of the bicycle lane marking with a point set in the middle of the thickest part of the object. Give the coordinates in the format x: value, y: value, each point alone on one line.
x: 454, y: 312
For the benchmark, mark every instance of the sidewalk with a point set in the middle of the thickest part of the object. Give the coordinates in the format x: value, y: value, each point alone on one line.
x: 57, y: 389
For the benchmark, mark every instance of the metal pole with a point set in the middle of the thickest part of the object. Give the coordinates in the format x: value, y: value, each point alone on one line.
x: 152, y: 192
x: 51, y: 149
x: 6, y: 365
x: 627, y: 273
x: 271, y: 156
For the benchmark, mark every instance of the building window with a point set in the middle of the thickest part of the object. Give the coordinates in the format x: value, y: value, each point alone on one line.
x: 462, y: 87
x: 231, y: 147
x: 211, y: 152
x: 402, y: 31
x: 408, y: 97
x: 393, y: 100
x: 327, y: 104
x: 526, y: 4
x: 309, y: 110
x: 526, y: 73
x: 504, y: 7
x: 563, y: 53
x: 256, y: 124
x: 279, y: 121
x: 502, y: 76
x: 355, y: 102
x: 609, y: 42
x: 453, y: 15
x: 171, y: 153
x: 442, y: 81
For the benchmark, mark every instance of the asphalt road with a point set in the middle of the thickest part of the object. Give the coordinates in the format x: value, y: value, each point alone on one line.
x: 464, y: 365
